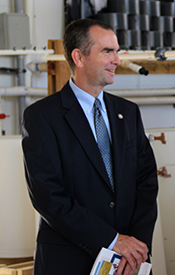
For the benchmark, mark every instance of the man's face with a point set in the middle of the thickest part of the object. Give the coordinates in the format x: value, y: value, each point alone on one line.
x: 99, y: 66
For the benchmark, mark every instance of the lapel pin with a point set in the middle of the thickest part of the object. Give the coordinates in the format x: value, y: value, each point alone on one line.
x: 120, y: 116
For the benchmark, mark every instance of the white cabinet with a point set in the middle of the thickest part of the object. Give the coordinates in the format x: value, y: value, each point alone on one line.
x: 17, y: 216
x: 165, y: 157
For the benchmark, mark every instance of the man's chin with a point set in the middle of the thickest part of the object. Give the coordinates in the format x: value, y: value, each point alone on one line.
x: 109, y: 82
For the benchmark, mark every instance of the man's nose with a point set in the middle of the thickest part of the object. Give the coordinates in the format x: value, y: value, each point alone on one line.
x: 116, y: 59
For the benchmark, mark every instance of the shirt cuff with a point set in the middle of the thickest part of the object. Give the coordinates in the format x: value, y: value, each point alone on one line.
x: 113, y: 242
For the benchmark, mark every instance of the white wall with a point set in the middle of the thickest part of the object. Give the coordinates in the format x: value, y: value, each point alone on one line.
x: 47, y: 22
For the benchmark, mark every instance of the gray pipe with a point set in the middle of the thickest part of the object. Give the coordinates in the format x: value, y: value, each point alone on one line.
x: 20, y: 64
x: 18, y: 6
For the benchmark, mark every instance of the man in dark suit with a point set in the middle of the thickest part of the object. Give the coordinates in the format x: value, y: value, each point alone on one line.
x: 82, y: 207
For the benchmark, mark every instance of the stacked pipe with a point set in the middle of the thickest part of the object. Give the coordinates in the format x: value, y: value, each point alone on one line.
x: 141, y: 24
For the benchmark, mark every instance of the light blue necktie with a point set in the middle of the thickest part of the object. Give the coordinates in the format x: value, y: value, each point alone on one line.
x: 103, y: 140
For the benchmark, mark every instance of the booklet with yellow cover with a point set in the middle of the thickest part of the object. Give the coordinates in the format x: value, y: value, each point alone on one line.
x: 107, y: 263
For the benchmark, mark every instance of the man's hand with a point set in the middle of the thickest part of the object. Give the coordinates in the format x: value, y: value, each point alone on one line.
x: 134, y: 253
x: 125, y: 268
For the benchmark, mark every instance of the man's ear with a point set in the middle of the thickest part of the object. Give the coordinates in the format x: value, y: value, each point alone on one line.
x: 77, y: 57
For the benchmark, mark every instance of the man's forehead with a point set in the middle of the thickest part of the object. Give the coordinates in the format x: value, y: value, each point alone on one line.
x: 104, y: 37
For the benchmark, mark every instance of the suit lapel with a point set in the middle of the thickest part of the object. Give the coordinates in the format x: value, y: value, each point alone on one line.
x: 81, y: 128
x: 116, y: 120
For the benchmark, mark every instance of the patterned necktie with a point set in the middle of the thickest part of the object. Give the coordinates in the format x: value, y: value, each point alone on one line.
x: 103, y: 140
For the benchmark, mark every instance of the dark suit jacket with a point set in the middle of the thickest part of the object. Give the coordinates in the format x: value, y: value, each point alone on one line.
x: 68, y: 183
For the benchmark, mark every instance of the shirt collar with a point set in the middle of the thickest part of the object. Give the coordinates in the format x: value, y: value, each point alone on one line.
x: 86, y: 100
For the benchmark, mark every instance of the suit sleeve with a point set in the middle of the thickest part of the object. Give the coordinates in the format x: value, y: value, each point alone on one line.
x: 45, y: 180
x: 145, y: 213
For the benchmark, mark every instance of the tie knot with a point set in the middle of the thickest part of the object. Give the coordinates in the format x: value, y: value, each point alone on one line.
x: 97, y: 103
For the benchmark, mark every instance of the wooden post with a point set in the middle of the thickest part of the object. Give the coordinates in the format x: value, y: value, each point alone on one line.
x: 58, y: 71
